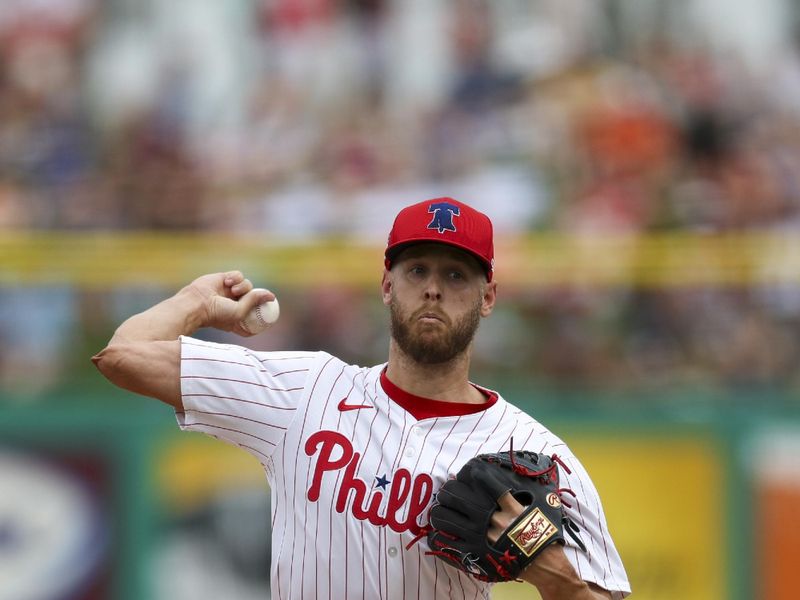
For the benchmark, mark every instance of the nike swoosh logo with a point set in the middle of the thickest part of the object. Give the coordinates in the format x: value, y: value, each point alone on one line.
x: 343, y: 406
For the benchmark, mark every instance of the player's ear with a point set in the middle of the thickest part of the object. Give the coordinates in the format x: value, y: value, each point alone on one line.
x: 386, y: 287
x: 489, y: 298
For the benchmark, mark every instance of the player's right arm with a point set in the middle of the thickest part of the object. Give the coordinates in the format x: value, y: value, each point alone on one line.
x: 144, y: 354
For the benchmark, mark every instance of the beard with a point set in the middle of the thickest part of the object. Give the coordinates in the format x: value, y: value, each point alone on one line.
x: 433, y: 347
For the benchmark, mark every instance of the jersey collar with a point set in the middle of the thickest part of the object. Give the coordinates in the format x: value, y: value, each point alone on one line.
x: 427, y: 408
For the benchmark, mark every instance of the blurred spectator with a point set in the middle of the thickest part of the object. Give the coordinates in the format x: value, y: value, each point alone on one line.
x: 293, y: 119
x: 36, y: 329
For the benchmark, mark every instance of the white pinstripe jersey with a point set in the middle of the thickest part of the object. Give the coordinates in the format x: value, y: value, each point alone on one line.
x: 353, y: 471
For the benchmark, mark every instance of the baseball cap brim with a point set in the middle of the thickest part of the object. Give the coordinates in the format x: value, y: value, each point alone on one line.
x: 394, y: 251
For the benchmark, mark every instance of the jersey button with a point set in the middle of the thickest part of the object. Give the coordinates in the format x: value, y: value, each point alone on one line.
x: 392, y: 552
x: 410, y: 452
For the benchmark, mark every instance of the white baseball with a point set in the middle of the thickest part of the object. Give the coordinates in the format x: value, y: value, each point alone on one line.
x: 261, y: 317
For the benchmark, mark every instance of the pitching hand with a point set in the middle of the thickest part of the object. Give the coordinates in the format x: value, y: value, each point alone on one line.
x: 226, y: 299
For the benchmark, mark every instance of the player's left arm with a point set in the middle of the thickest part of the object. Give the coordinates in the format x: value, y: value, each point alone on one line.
x: 551, y: 572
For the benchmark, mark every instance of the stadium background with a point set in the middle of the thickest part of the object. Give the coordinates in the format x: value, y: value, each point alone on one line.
x: 639, y: 158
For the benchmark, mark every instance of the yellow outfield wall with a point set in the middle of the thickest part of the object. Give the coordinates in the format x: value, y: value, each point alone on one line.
x: 102, y: 259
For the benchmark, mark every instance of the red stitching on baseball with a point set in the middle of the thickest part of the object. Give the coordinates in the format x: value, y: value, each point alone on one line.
x: 260, y: 318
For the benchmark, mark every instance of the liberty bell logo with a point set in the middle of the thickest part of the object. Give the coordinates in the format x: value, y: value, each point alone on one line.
x: 443, y: 214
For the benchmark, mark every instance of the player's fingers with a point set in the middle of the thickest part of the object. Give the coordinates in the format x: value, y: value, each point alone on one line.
x: 490, y: 482
x: 231, y: 278
x: 465, y: 473
x: 449, y: 521
x: 508, y: 511
x: 228, y: 313
x: 451, y: 493
x: 497, y: 526
x: 241, y: 288
x: 508, y: 503
x: 252, y: 298
x: 459, y: 496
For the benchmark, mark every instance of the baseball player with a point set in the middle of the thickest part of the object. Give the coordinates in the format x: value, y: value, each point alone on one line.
x: 356, y: 456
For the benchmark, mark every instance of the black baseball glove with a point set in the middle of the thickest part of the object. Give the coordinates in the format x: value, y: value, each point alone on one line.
x: 461, y: 517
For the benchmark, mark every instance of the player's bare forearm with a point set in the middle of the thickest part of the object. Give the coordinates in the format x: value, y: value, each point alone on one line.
x: 182, y: 314
x: 556, y: 578
x: 553, y: 575
x: 143, y: 356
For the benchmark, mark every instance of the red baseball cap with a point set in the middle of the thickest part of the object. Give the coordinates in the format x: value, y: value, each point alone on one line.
x: 445, y: 221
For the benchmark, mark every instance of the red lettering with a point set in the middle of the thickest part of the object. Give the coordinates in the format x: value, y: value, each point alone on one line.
x: 420, y: 497
x: 359, y: 488
x: 351, y: 482
x: 531, y: 534
x: 375, y: 516
x: 415, y: 492
x: 325, y: 442
x: 401, y: 486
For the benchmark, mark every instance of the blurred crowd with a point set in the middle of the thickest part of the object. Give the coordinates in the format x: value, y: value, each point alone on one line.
x: 295, y: 119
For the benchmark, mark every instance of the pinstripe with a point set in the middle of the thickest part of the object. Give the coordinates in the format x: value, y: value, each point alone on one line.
x: 463, y: 581
x: 298, y: 534
x: 282, y: 373
x: 508, y: 439
x: 239, y: 417
x: 385, y: 531
x: 496, y: 425
x: 578, y: 559
x: 308, y: 470
x: 277, y: 358
x: 435, y: 460
x: 257, y: 451
x: 279, y: 546
x: 338, y: 477
x: 220, y: 361
x: 528, y: 439
x: 257, y: 403
x: 243, y: 382
x: 382, y: 560
x: 609, y: 570
x: 363, y: 555
x: 402, y: 555
x: 386, y: 435
x: 232, y: 430
x: 464, y: 441
x: 363, y: 572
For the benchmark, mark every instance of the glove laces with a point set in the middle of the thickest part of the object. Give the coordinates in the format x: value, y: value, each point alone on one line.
x: 548, y: 473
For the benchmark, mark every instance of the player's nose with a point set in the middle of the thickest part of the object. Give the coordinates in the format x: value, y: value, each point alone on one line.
x: 433, y: 289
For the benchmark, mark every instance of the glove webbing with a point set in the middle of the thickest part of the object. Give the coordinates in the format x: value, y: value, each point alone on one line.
x: 549, y: 474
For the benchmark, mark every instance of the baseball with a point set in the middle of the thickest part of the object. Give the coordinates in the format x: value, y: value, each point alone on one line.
x: 261, y: 317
